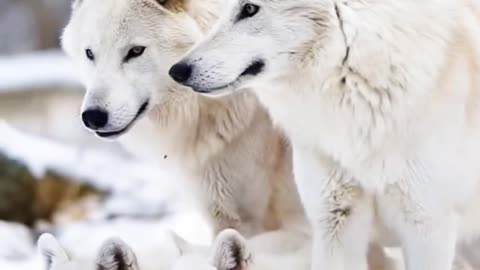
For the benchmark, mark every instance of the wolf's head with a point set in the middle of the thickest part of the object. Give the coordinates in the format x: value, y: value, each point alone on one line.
x: 263, y: 39
x: 124, y: 49
x: 114, y: 254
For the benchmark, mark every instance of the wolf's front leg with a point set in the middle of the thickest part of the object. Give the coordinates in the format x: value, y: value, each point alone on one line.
x: 339, y: 211
x: 427, y: 233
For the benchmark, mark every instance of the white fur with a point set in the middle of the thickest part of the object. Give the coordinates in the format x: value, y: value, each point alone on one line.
x: 380, y: 101
x: 231, y: 250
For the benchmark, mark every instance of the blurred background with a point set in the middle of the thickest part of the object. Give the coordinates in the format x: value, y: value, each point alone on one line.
x: 56, y: 177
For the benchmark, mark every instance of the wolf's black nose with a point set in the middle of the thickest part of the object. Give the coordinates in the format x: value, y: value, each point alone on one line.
x: 181, y: 72
x: 95, y: 119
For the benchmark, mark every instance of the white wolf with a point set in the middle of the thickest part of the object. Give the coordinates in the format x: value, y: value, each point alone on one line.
x: 381, y: 101
x: 238, y: 163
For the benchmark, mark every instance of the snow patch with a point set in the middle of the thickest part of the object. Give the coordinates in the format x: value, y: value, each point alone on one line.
x: 36, y: 71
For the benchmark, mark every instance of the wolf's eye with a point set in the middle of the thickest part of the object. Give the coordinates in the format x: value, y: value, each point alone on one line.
x: 248, y: 10
x: 134, y: 52
x: 90, y: 54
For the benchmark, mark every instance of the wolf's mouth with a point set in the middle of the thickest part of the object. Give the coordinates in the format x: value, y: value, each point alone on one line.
x: 255, y: 68
x: 111, y: 134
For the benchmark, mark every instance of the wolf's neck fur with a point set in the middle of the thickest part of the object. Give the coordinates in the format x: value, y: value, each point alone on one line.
x: 204, y: 12
x: 196, y: 128
x: 202, y: 126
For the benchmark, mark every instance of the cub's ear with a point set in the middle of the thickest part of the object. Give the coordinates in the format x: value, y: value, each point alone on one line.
x: 115, y: 254
x: 52, y: 251
x: 182, y: 245
x: 230, y: 251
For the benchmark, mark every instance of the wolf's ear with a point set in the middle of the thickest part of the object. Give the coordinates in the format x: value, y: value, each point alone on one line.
x: 230, y: 251
x: 182, y: 245
x: 52, y: 251
x: 173, y: 5
x: 115, y: 254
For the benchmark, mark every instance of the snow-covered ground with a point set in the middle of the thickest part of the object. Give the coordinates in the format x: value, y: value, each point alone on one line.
x: 149, y: 239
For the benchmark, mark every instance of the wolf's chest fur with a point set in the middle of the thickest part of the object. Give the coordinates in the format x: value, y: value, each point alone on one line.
x: 381, y: 141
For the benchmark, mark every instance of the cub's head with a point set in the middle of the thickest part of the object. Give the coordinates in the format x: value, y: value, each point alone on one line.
x: 258, y: 40
x: 114, y: 254
x: 229, y: 252
x: 123, y: 49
